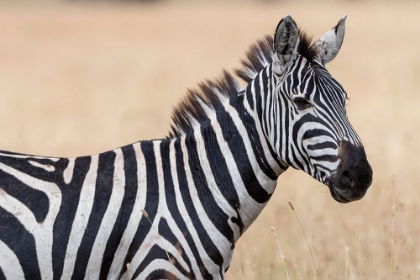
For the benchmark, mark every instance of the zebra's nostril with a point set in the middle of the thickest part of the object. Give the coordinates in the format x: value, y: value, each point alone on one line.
x: 347, y: 179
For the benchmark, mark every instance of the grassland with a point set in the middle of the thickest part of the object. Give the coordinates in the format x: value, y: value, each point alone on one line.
x: 79, y: 80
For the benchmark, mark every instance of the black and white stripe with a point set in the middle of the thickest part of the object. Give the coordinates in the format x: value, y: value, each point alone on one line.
x: 174, y: 208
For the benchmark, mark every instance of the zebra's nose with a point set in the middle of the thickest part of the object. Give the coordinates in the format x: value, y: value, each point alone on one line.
x: 347, y: 178
x: 354, y: 173
x: 355, y: 180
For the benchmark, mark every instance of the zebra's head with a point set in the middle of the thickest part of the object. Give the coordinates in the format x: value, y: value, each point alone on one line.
x: 315, y: 134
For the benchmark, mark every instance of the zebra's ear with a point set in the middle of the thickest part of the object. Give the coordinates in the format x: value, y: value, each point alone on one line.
x: 286, y: 40
x: 329, y: 45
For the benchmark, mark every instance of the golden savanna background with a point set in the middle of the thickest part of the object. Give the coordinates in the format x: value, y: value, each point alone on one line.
x: 81, y: 78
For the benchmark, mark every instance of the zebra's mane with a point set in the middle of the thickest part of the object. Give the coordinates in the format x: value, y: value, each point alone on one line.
x: 197, y: 103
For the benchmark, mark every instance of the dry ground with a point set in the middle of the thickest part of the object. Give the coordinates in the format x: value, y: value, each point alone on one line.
x: 79, y: 80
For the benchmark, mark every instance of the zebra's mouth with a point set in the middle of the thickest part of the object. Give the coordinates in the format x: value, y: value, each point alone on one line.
x: 344, y: 188
x: 338, y: 196
x: 336, y: 192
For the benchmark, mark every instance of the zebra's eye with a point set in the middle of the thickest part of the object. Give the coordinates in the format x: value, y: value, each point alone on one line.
x: 301, y: 103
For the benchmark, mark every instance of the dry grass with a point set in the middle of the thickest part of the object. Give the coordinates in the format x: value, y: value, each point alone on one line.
x: 83, y: 79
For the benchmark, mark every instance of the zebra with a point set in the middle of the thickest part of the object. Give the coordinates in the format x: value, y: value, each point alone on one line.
x: 174, y: 208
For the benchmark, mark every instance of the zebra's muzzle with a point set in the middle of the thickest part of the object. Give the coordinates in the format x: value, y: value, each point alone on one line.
x: 354, y: 174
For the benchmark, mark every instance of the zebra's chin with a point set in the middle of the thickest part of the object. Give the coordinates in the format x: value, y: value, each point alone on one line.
x: 344, y: 196
x: 335, y: 193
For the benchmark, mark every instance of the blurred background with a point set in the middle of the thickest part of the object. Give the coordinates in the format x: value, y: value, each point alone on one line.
x: 82, y: 77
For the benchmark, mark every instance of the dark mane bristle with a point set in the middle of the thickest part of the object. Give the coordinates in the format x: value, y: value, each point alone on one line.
x: 306, y: 48
x: 257, y: 58
x: 210, y: 93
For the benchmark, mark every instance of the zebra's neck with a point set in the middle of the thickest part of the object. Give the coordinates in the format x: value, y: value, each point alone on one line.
x: 225, y: 162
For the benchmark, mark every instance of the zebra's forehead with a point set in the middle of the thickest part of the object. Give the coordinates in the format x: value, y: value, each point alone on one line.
x: 312, y: 78
x: 329, y: 87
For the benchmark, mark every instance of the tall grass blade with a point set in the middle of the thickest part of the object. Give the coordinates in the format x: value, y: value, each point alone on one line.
x: 306, y: 239
x: 273, y: 229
